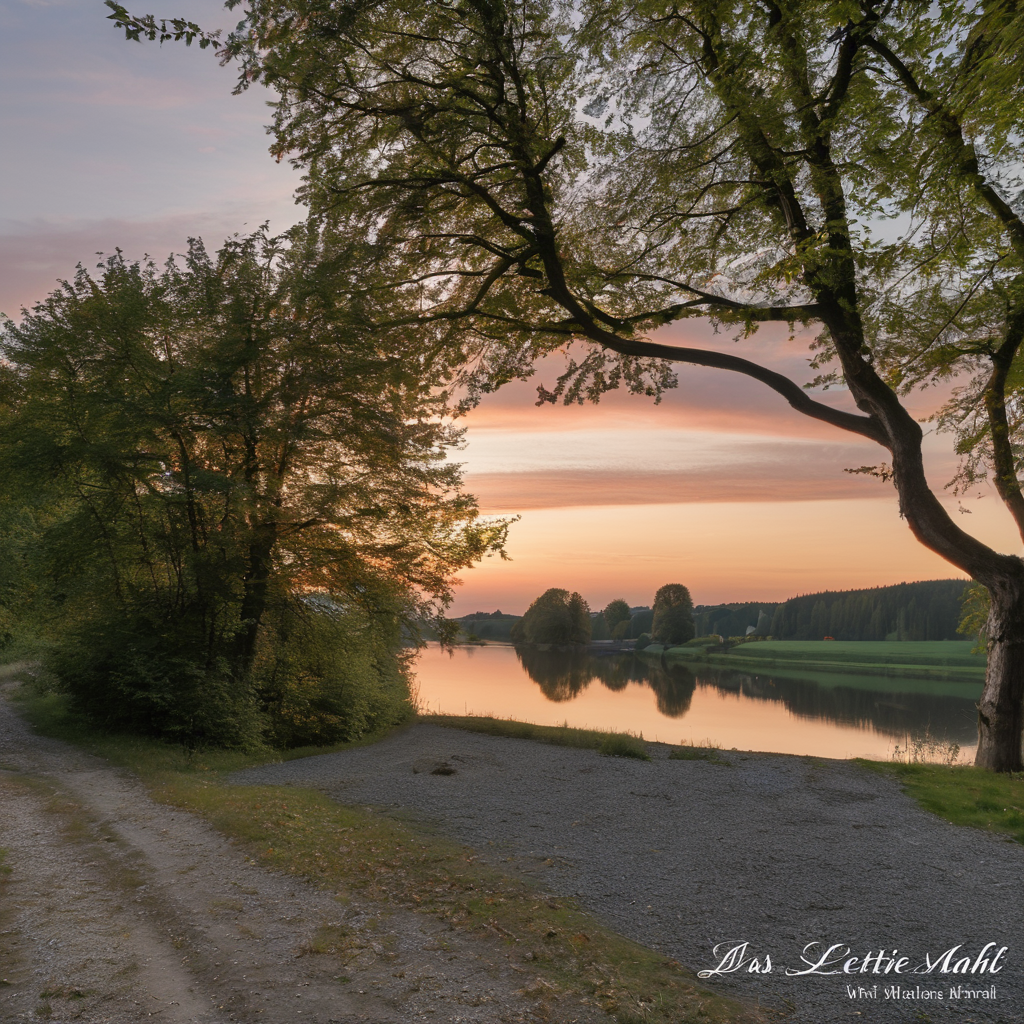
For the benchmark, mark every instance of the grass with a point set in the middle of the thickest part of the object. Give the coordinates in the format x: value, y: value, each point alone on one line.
x: 709, y: 754
x: 948, y: 660
x: 616, y: 744
x: 355, y: 851
x: 613, y: 744
x: 963, y: 794
x: 619, y: 744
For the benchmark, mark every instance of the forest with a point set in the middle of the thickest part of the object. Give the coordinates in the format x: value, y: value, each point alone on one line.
x: 929, y: 610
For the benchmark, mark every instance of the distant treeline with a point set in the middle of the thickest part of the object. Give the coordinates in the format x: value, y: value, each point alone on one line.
x: 907, y: 611
x: 734, y: 619
x: 487, y: 625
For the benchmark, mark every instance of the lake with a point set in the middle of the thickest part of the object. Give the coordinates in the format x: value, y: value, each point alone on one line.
x: 821, y: 714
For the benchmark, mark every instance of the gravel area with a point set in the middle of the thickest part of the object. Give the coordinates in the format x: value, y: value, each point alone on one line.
x: 776, y: 851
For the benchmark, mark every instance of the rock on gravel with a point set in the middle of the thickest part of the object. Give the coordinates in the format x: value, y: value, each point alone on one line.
x: 776, y: 851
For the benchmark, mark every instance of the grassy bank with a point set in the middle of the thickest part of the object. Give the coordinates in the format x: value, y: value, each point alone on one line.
x: 963, y: 795
x: 354, y: 851
x: 945, y: 660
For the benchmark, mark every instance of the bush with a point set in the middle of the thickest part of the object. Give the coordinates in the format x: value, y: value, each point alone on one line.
x: 327, y: 675
x: 714, y: 640
x: 616, y: 612
x: 621, y: 744
x: 155, y: 677
x: 642, y: 641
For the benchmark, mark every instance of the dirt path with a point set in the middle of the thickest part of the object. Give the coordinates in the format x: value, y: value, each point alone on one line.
x: 117, y: 909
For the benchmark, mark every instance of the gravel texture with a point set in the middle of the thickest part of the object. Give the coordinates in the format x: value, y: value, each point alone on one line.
x: 773, y: 850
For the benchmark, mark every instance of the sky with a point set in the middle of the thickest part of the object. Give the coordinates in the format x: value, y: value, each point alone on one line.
x: 720, y: 487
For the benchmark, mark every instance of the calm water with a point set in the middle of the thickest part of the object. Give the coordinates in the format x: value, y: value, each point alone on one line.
x: 824, y: 714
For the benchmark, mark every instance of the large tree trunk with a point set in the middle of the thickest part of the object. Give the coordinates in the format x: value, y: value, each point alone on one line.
x: 1001, y: 708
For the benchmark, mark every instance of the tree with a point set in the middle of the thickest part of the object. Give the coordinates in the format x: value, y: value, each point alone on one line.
x: 616, y: 613
x: 240, y: 490
x: 579, y: 619
x: 556, y: 617
x: 673, y: 615
x: 559, y: 173
x: 599, y: 628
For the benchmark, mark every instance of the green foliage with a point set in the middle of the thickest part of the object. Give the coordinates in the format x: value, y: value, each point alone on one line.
x: 732, y: 619
x: 709, y: 754
x: 642, y: 621
x: 615, y: 612
x: 642, y: 641
x: 152, y: 675
x: 594, y: 171
x: 620, y: 744
x: 974, y: 608
x: 189, y: 455
x: 329, y: 674
x: 673, y: 615
x: 482, y: 626
x: 579, y: 620
x: 556, y: 617
x: 622, y: 629
x: 907, y: 611
x: 599, y: 627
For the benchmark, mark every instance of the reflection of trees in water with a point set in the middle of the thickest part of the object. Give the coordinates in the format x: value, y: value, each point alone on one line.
x: 895, y: 714
x: 674, y: 686
x: 564, y: 673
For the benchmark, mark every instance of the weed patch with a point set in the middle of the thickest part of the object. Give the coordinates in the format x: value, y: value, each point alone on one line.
x: 620, y: 744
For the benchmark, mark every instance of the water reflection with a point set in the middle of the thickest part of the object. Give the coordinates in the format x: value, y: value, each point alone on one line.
x: 564, y: 674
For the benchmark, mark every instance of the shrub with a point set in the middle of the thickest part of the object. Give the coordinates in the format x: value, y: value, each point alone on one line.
x: 621, y: 744
x: 145, y: 674
x: 329, y: 674
x: 617, y: 611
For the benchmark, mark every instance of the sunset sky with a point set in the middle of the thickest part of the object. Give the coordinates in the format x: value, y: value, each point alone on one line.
x: 720, y: 487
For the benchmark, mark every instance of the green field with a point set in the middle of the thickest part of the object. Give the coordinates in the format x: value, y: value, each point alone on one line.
x: 940, y: 660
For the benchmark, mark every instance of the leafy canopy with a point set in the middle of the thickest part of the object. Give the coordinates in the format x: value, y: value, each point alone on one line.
x: 223, y: 451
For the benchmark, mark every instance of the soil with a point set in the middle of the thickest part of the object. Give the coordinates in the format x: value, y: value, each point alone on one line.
x: 115, y: 909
